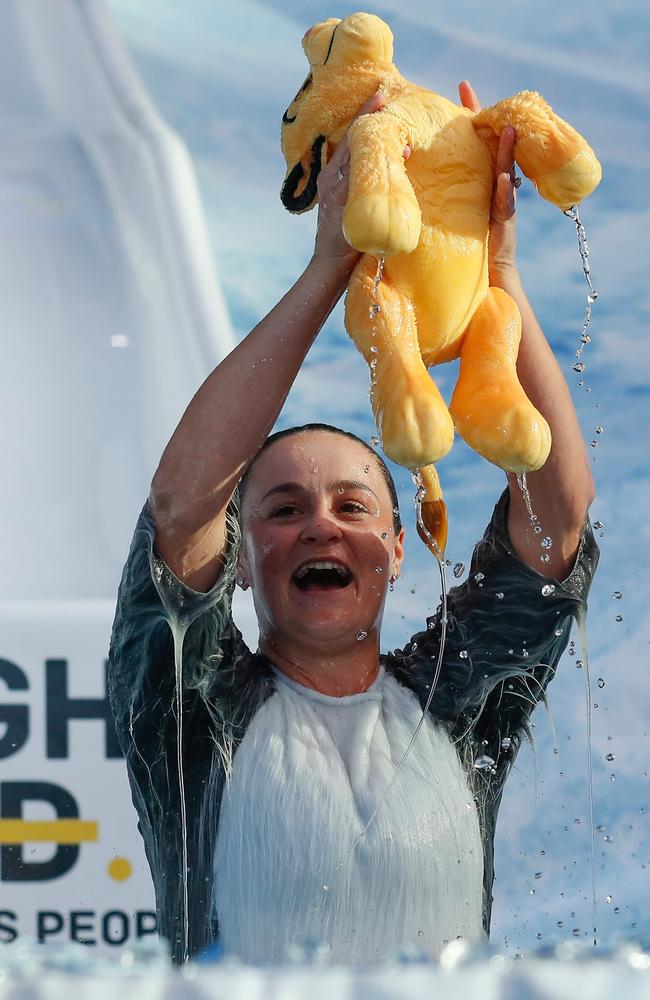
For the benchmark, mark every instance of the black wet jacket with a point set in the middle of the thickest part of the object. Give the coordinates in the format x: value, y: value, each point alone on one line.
x: 507, y: 628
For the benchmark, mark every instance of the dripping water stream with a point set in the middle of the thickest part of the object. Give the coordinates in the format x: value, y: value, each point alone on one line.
x: 584, y: 652
x: 584, y: 251
x: 179, y: 628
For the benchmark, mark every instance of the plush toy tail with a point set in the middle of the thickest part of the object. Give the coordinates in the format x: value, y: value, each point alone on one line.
x: 555, y: 157
x: 432, y: 511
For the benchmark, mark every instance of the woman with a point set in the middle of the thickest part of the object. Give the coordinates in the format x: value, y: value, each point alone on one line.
x: 263, y: 781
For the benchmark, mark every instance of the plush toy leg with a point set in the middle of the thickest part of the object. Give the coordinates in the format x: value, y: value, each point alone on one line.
x: 490, y: 409
x: 382, y: 214
x: 412, y: 418
x: 432, y: 520
x: 550, y: 152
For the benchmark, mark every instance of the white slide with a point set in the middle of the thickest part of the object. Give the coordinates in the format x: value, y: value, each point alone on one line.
x: 111, y: 316
x: 110, y: 308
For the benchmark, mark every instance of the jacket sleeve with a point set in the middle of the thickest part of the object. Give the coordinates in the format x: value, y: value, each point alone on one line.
x: 157, y: 618
x: 507, y: 627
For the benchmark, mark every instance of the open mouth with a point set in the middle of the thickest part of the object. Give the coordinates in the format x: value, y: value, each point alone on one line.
x: 322, y: 575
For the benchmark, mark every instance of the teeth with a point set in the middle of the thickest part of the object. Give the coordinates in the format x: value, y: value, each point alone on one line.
x: 323, y: 564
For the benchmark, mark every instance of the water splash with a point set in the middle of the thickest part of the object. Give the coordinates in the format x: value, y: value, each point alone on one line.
x: 374, y: 311
x: 584, y: 251
x: 419, y: 496
x: 584, y: 652
x: 546, y: 542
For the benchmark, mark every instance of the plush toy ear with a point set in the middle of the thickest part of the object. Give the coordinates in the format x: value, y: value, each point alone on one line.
x: 299, y: 191
x: 317, y: 41
x: 361, y: 38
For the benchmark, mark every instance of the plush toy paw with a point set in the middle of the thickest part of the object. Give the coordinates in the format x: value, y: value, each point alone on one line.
x: 414, y: 423
x: 570, y: 184
x: 383, y: 223
x: 517, y: 438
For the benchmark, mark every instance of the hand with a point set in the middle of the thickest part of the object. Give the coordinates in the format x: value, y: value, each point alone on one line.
x: 331, y: 246
x: 502, y: 242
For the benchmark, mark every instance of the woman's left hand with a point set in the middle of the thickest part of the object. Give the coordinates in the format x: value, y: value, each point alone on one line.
x: 502, y: 242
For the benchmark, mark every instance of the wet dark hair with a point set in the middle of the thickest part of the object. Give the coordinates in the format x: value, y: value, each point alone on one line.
x: 290, y: 431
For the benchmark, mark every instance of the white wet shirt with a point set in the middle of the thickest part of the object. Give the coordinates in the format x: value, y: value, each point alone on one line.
x: 291, y: 864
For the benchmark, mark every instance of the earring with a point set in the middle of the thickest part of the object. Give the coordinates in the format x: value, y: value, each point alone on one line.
x: 240, y: 581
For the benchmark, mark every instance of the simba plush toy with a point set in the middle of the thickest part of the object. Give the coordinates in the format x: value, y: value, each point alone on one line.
x: 427, y: 218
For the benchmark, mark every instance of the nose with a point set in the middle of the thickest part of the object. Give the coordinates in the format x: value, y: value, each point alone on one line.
x: 321, y: 527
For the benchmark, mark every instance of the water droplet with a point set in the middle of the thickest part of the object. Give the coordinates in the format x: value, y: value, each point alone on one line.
x: 608, y: 899
x: 374, y: 310
x: 599, y: 429
x: 558, y: 631
x: 478, y: 577
x: 601, y: 682
x: 617, y: 595
x: 483, y: 762
x: 531, y: 892
x: 463, y: 654
x: 524, y: 653
x: 378, y: 569
x: 361, y: 635
x: 594, y: 444
x: 326, y: 888
x: 506, y: 743
x: 384, y: 534
x: 545, y: 558
x: 538, y: 874
x: 598, y: 525
x: 375, y: 442
x: 374, y: 349
x: 579, y: 366
x: 610, y: 756
x: 619, y: 618
x: 499, y: 595
x: 579, y: 664
x: 547, y: 542
x: 548, y: 589
x: 458, y: 569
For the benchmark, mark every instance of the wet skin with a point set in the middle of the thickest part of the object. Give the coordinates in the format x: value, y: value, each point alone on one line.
x: 312, y: 497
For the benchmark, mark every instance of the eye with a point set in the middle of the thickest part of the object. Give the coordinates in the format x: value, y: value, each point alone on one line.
x: 284, y: 510
x: 353, y: 507
x: 288, y: 119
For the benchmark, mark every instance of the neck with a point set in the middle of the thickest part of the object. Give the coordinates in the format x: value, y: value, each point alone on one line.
x: 349, y: 671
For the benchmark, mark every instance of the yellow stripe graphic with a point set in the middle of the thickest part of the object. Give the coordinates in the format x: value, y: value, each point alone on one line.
x: 52, y: 831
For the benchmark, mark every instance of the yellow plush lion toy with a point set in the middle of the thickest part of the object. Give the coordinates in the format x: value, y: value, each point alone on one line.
x: 427, y: 218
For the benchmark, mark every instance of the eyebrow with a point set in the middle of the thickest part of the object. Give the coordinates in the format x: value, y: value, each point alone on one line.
x: 340, y: 484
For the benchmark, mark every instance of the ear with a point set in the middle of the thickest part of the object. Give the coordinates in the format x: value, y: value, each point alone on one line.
x: 242, y: 572
x: 398, y: 554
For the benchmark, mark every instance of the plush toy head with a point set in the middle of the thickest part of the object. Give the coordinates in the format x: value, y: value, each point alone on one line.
x: 358, y: 49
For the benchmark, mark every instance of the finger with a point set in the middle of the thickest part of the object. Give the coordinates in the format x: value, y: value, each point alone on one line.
x: 505, y: 201
x: 467, y: 96
x: 374, y: 103
x: 506, y: 152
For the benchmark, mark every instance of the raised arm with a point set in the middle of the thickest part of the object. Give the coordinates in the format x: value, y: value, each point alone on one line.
x: 562, y: 490
x: 234, y: 410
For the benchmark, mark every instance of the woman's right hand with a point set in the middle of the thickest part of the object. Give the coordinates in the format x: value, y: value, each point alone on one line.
x: 332, y: 249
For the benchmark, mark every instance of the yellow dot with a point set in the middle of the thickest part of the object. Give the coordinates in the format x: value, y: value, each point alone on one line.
x: 120, y: 869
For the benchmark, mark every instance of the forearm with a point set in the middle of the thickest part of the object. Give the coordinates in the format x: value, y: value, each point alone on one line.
x: 563, y: 488
x: 232, y: 413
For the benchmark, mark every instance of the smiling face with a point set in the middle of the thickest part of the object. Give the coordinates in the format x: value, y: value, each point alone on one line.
x: 319, y: 546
